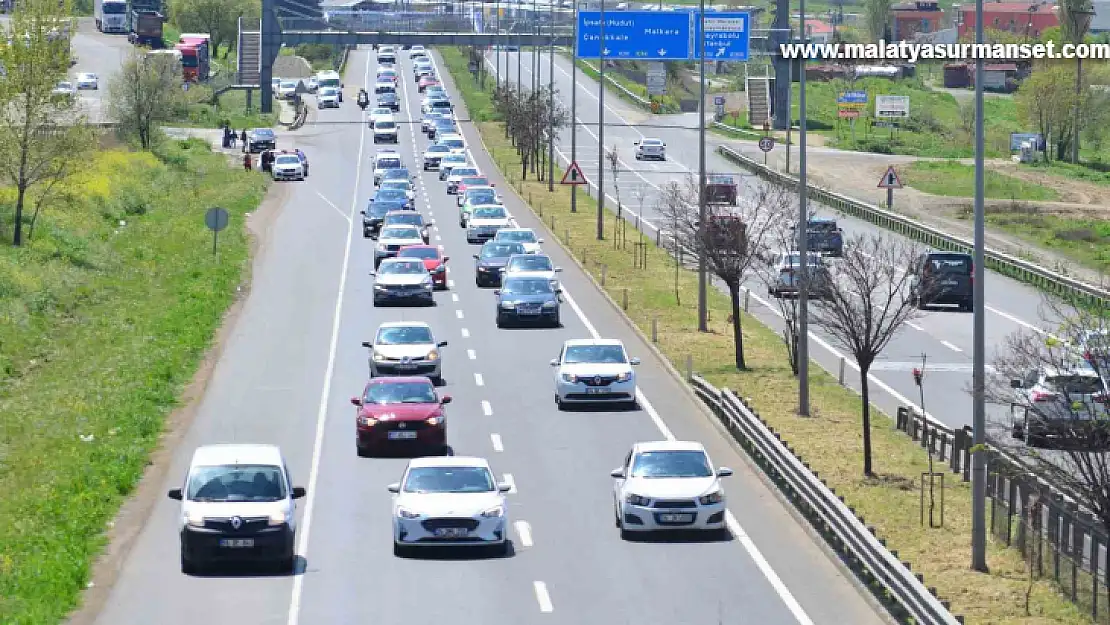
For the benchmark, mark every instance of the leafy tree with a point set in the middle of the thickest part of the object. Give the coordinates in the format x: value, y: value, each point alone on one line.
x: 878, y: 18
x: 43, y: 134
x: 218, y: 18
x: 146, y: 92
x: 1045, y: 102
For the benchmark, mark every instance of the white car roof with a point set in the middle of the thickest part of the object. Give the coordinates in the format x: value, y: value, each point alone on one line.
x: 404, y: 324
x: 669, y: 446
x: 449, y: 461
x: 232, y: 454
x: 588, y: 342
x: 398, y: 261
x: 452, y: 136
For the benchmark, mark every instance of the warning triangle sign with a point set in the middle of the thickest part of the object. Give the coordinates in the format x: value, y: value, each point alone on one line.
x: 574, y: 175
x: 890, y: 179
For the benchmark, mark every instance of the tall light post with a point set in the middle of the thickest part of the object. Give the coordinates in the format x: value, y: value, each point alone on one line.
x: 551, y: 99
x: 498, y: 46
x: 979, y: 344
x: 601, y: 130
x: 703, y: 265
x: 535, y: 60
x: 1082, y: 18
x: 803, y: 234
x: 574, y: 108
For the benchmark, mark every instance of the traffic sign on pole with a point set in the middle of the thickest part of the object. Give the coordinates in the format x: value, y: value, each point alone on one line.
x: 574, y: 175
x: 767, y: 144
x: 727, y: 36
x: 635, y: 35
x: 890, y: 179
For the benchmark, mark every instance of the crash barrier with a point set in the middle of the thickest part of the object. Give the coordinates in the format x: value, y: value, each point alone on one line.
x: 1059, y: 539
x: 836, y: 520
x: 619, y: 87
x: 1040, y: 277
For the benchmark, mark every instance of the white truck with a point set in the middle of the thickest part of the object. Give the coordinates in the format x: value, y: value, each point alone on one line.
x: 111, y: 16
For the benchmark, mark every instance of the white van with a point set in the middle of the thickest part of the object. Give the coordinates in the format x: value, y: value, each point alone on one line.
x: 330, y: 78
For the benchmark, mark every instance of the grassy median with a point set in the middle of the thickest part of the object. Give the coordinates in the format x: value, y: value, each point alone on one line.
x: 104, y: 316
x: 831, y: 441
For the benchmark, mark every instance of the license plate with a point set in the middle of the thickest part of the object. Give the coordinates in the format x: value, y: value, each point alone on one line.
x: 237, y: 543
x: 949, y: 283
x: 676, y: 518
x: 402, y: 435
x: 451, y: 532
x: 529, y: 311
x: 408, y: 365
x: 597, y: 391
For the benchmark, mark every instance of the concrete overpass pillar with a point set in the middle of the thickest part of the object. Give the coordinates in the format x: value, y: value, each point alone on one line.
x: 271, y: 46
x: 780, y: 97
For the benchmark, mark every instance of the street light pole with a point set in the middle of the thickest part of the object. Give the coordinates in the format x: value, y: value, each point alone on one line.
x: 803, y: 236
x: 601, y: 131
x: 703, y: 265
x: 574, y: 108
x: 551, y: 99
x: 497, y: 47
x: 979, y: 344
x: 535, y: 65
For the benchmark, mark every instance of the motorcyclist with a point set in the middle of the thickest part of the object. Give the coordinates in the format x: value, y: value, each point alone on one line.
x: 363, y: 98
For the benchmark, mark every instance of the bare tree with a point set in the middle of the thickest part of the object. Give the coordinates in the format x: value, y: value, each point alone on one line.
x: 862, y: 301
x: 43, y: 135
x: 530, y: 122
x: 145, y: 92
x: 671, y: 199
x: 784, y: 239
x: 735, y: 237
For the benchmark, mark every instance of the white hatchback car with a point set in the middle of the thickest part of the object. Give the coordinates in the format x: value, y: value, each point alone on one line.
x: 237, y: 504
x: 449, y: 501
x: 594, y: 371
x: 88, y: 80
x: 525, y: 236
x: 406, y: 348
x: 669, y: 485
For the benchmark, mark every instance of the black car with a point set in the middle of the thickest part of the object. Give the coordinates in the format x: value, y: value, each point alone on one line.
x: 374, y: 215
x: 260, y: 140
x: 491, y: 260
x: 393, y: 196
x: 823, y: 236
x: 943, y: 278
x: 527, y: 300
x: 442, y: 126
x: 390, y: 101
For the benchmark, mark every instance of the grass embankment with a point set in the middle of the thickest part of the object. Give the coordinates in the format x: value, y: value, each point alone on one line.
x: 106, y: 313
x: 830, y: 442
x: 1085, y: 241
x: 230, y: 106
x: 951, y: 178
x: 320, y: 56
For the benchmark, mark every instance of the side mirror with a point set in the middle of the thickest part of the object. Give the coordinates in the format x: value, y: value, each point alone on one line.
x: 394, y: 488
x: 492, y: 185
x: 373, y: 273
x: 475, y: 257
x: 342, y: 86
x: 1015, y: 384
x: 355, y: 401
x: 299, y: 492
x: 446, y: 399
x: 504, y: 487
x: 175, y: 493
x: 363, y: 213
x: 633, y: 361
x: 441, y: 344
x: 446, y: 258
x: 635, y: 143
x: 558, y: 269
x: 664, y: 144
x: 539, y: 240
x: 367, y: 344
x: 558, y: 291
x: 431, y: 222
x: 617, y: 473
x: 497, y: 291
x: 554, y: 362
x: 724, y: 472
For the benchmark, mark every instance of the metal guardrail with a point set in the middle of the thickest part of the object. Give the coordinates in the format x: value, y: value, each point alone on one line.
x: 824, y: 507
x: 1040, y: 277
x: 616, y: 85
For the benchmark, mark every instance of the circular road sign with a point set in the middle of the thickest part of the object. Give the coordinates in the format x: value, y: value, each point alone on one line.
x: 767, y: 144
x: 215, y: 219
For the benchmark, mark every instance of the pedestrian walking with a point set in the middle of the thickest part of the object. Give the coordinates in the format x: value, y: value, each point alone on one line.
x: 243, y: 138
x: 246, y: 162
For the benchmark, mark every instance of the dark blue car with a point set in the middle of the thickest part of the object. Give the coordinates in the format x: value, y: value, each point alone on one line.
x: 393, y: 195
x: 528, y: 300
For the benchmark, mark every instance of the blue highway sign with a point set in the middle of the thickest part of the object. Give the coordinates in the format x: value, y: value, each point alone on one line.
x: 639, y: 35
x: 852, y: 97
x: 727, y: 36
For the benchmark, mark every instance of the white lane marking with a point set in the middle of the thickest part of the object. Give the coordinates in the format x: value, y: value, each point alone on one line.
x: 487, y: 409
x: 438, y: 238
x: 524, y: 531
x: 542, y: 597
x: 325, y: 394
x: 470, y: 354
x: 459, y: 314
x: 478, y: 381
x: 1020, y: 322
x: 733, y: 525
x: 430, y: 213
x: 332, y: 204
x: 465, y: 333
x: 454, y: 297
x: 915, y: 326
x: 950, y: 346
x: 508, y: 479
x: 495, y: 440
x: 450, y: 283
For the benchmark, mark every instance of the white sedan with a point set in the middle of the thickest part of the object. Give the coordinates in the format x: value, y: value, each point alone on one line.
x: 651, y: 148
x: 88, y: 80
x: 524, y: 236
x: 669, y: 485
x: 594, y: 371
x: 449, y: 501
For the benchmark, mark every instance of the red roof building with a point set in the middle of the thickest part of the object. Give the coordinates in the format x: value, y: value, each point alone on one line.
x: 910, y: 18
x: 1015, y: 17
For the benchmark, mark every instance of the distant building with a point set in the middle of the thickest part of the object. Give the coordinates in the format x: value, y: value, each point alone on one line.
x: 818, y: 31
x: 1020, y: 18
x: 912, y: 18
x: 1100, y: 23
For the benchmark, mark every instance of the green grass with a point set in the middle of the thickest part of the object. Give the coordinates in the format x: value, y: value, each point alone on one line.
x: 1094, y: 171
x: 320, y: 56
x: 231, y: 106
x: 951, y: 178
x: 668, y: 102
x: 1084, y: 241
x: 103, y: 324
x: 830, y: 442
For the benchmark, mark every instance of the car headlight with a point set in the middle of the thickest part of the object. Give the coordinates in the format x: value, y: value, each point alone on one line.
x: 195, y: 519
x: 508, y: 304
x: 379, y: 287
x: 570, y: 377
x: 276, y: 519
x: 427, y: 284
x: 550, y: 304
x: 382, y: 247
x: 637, y: 500
x: 624, y: 377
x: 379, y: 357
x: 367, y: 421
x: 494, y: 512
x: 436, y: 420
x: 711, y: 498
x: 405, y: 513
x: 432, y: 355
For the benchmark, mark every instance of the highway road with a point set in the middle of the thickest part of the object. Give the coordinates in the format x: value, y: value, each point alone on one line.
x: 945, y: 336
x: 294, y: 360
x: 101, y: 54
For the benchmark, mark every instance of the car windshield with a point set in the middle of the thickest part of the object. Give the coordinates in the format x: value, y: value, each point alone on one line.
x: 439, y: 148
x: 527, y: 286
x: 389, y: 163
x: 490, y: 213
x: 424, y: 253
x: 652, y: 142
x: 387, y: 96
x: 381, y: 111
x: 501, y: 250
x: 531, y: 262
x: 379, y: 209
x: 327, y: 91
x: 793, y: 260
x: 288, y: 160
x: 454, y: 143
x: 244, y: 482
x: 404, y: 335
x: 475, y: 181
x: 453, y: 160
x: 400, y: 232
x: 821, y: 226
x: 664, y: 464
x: 520, y: 236
x: 449, y: 480
x: 462, y: 172
x: 411, y: 218
x: 441, y: 104
x: 1074, y: 384
x: 263, y: 133
x: 288, y: 84
x: 481, y: 196
x: 950, y: 265
x: 607, y: 354
x: 401, y: 268
x: 445, y: 125
x: 400, y: 393
x: 390, y: 194
x: 396, y: 173
x: 395, y: 185
x: 384, y: 125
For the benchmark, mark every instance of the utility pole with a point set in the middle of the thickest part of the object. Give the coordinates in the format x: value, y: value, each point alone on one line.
x: 574, y: 108
x: 780, y: 33
x: 601, y: 132
x: 703, y: 268
x: 535, y: 60
x: 803, y: 237
x: 498, y: 46
x: 979, y: 345
x: 551, y: 99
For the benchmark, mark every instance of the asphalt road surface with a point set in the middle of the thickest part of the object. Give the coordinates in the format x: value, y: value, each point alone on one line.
x: 293, y: 362
x: 101, y: 54
x: 944, y: 336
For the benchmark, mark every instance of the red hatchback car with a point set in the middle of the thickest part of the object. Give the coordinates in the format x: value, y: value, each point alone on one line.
x: 434, y: 261
x: 400, y: 411
x: 425, y: 82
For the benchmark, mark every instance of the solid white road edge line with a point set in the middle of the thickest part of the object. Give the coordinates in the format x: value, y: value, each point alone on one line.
x: 950, y: 346
x: 332, y: 204
x: 542, y: 597
x: 325, y: 393
x: 733, y: 525
x: 524, y: 531
x: 487, y: 409
x: 495, y: 440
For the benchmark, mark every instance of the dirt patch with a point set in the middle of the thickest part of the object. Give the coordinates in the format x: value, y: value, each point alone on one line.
x: 1069, y: 189
x: 136, y: 510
